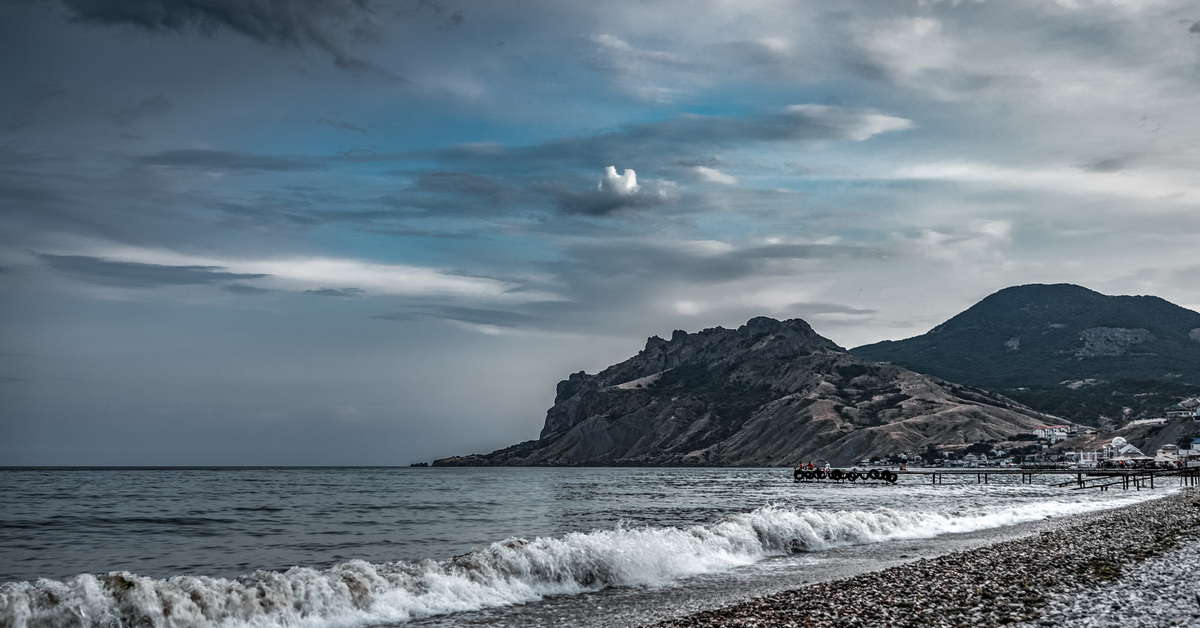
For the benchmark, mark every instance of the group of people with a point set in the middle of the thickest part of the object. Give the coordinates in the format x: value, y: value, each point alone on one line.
x: 811, y: 467
x: 827, y: 469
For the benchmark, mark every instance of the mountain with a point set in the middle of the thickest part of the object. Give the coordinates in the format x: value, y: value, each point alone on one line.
x: 768, y: 393
x: 1064, y: 350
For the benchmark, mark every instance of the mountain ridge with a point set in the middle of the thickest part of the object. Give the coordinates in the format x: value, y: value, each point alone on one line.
x: 768, y: 393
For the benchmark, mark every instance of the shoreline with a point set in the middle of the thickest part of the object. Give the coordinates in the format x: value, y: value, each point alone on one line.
x: 711, y: 593
x: 1017, y: 575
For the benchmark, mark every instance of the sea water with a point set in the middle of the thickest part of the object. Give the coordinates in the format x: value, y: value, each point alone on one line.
x: 445, y: 546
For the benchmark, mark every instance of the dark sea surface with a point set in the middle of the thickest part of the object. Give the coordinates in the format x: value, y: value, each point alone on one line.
x: 473, y: 546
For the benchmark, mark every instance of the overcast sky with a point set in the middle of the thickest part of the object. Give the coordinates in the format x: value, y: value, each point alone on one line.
x: 361, y: 232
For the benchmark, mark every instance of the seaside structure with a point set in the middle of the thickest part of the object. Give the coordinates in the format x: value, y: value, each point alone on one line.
x: 1168, y: 453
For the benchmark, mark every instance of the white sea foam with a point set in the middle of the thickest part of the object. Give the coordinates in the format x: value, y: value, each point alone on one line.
x: 507, y: 572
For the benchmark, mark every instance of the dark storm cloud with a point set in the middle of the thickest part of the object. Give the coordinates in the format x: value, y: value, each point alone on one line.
x: 1195, y: 28
x: 136, y: 274
x: 224, y: 160
x: 604, y: 202
x: 148, y: 108
x: 336, y: 292
x: 283, y: 23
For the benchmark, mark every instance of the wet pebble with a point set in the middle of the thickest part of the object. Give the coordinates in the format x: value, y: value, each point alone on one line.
x: 1131, y: 566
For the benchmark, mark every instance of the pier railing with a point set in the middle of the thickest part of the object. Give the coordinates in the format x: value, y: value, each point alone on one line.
x: 1097, y: 478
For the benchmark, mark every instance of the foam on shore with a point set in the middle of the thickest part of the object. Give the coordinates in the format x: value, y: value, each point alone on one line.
x: 507, y: 572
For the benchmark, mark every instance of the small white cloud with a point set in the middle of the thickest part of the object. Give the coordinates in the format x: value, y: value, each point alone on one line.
x: 624, y: 184
x: 713, y: 175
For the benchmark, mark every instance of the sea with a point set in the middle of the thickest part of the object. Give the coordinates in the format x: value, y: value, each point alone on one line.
x: 356, y: 547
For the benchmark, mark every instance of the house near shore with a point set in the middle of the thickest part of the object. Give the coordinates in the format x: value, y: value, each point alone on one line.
x: 1120, y: 448
x: 1168, y: 453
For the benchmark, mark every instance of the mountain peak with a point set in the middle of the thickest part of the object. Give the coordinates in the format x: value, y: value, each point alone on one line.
x: 1063, y: 349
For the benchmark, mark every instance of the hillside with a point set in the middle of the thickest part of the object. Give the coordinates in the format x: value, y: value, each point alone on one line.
x: 768, y: 393
x: 1064, y: 350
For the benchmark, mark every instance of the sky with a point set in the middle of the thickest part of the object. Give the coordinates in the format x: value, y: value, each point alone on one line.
x: 355, y: 232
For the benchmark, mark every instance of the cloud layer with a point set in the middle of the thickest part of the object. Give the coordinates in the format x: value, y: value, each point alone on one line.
x: 548, y: 184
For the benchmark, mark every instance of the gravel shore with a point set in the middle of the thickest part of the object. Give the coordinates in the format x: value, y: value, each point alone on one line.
x: 1131, y: 566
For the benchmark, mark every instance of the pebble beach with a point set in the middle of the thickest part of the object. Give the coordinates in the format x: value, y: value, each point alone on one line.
x: 1133, y: 566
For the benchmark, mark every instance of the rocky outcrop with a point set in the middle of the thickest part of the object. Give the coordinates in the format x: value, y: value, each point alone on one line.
x: 767, y: 393
x: 1098, y: 341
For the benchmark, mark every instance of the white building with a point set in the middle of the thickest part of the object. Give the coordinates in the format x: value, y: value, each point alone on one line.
x: 1120, y: 448
x: 1168, y: 453
x: 1053, y: 433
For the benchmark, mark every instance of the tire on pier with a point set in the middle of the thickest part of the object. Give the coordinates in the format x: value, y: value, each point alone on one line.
x: 852, y: 476
x: 873, y: 474
x: 891, y: 477
x: 798, y: 474
x: 837, y: 475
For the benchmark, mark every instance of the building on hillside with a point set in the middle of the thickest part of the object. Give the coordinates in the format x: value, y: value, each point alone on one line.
x: 1175, y: 412
x: 1052, y: 433
x: 1161, y: 420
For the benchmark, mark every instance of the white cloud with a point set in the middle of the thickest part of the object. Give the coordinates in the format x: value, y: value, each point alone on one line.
x: 1162, y: 185
x: 907, y: 46
x: 857, y: 125
x: 712, y: 175
x: 307, y: 273
x: 648, y: 75
x: 975, y: 242
x: 624, y: 184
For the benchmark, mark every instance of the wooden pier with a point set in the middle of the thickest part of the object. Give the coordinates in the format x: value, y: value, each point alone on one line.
x: 1102, y: 479
x: 1083, y: 478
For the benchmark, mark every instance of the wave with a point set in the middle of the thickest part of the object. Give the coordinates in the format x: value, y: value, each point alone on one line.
x: 512, y: 571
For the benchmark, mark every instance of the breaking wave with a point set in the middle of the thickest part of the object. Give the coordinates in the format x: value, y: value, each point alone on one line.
x: 512, y: 571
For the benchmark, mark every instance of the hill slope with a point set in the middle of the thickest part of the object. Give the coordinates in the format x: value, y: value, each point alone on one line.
x: 768, y: 393
x: 1065, y: 350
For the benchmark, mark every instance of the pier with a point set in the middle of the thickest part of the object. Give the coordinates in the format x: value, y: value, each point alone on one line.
x: 1101, y: 479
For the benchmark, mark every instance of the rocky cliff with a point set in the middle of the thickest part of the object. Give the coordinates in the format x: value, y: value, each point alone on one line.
x: 1064, y: 349
x: 767, y: 393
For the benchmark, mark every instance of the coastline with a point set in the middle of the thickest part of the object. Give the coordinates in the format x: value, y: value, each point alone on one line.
x: 1030, y: 574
